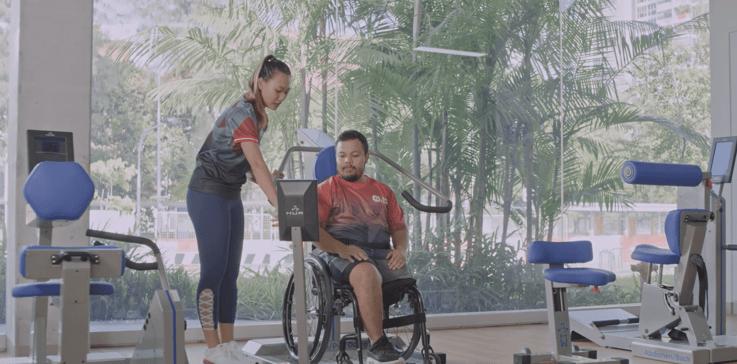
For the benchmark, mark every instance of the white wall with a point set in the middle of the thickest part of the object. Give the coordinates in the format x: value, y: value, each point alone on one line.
x: 50, y: 70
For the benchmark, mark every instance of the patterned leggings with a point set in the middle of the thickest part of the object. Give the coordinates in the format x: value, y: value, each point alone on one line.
x: 218, y: 223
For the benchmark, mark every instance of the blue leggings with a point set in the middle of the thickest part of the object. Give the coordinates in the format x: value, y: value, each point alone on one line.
x: 218, y: 224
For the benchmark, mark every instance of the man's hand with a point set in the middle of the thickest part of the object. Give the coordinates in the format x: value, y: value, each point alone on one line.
x: 397, y: 259
x: 353, y: 253
x: 273, y: 174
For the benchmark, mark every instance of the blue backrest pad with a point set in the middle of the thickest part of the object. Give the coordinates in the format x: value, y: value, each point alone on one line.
x: 673, y: 228
x: 325, y: 166
x: 59, y: 190
x: 559, y: 252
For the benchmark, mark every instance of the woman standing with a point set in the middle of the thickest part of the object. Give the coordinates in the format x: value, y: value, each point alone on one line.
x: 230, y: 151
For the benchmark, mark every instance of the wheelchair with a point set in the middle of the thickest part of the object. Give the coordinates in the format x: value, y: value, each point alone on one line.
x: 327, y: 299
x: 404, y: 315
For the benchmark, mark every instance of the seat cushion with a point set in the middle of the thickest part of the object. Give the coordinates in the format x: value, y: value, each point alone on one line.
x: 587, y: 276
x: 54, y: 289
x: 650, y: 254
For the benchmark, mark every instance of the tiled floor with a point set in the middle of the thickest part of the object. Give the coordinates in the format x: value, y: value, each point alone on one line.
x: 495, y: 345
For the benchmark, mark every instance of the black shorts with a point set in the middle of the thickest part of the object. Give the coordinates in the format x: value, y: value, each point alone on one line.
x: 341, y: 268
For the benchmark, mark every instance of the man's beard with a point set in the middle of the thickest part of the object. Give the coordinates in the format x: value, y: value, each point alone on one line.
x: 351, y: 177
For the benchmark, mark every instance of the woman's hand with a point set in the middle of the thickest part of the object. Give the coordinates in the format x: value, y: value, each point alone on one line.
x: 273, y: 174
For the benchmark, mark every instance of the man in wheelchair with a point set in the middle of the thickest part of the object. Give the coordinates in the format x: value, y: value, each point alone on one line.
x: 358, y: 216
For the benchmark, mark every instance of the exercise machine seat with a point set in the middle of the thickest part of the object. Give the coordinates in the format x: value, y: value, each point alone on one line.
x: 54, y: 289
x: 672, y: 255
x: 559, y: 253
x: 325, y: 166
x: 58, y: 191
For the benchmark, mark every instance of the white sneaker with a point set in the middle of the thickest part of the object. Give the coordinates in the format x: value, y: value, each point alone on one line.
x: 219, y: 355
x: 236, y: 351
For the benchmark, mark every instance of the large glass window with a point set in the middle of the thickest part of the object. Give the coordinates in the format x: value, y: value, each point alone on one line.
x: 4, y: 54
x: 490, y: 131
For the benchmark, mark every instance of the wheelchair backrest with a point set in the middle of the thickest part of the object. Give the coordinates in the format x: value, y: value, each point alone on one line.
x: 325, y: 166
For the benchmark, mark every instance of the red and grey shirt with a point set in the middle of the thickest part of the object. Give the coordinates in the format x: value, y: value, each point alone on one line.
x: 363, y: 213
x: 221, y: 166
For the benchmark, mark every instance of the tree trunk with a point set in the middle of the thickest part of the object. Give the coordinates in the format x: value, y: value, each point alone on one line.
x: 443, y: 228
x: 527, y: 156
x: 552, y: 196
x: 479, y: 193
x: 429, y: 196
x: 457, y: 219
x: 510, y: 167
x: 416, y: 222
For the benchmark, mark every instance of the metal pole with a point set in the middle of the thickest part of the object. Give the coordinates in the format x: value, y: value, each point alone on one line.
x: 300, y: 294
x: 158, y: 160
x: 560, y: 66
x: 335, y: 123
x: 416, y: 223
x: 138, y: 179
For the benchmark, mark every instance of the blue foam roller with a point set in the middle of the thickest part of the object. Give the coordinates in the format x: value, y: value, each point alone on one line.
x: 661, y: 174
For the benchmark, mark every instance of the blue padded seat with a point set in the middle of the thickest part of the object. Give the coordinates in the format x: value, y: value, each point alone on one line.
x: 568, y: 252
x: 59, y: 190
x: 651, y: 254
x: 587, y: 276
x: 325, y: 166
x: 54, y: 289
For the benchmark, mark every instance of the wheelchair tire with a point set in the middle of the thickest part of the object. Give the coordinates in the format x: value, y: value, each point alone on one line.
x: 319, y: 304
x: 409, y: 335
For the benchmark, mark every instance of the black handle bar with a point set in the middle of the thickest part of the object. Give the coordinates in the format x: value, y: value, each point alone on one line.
x: 128, y: 239
x: 431, y: 209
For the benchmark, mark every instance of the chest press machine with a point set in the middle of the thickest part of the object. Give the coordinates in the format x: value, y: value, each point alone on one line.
x: 59, y: 193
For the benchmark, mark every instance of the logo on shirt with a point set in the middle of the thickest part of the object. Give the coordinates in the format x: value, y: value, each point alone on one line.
x: 379, y: 199
x: 295, y: 211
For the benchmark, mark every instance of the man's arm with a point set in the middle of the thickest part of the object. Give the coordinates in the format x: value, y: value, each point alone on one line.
x: 329, y: 244
x: 398, y: 256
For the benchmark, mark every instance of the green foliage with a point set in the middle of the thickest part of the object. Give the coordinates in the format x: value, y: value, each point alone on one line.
x: 261, y: 293
x: 497, y: 279
x: 134, y: 290
x: 111, y: 174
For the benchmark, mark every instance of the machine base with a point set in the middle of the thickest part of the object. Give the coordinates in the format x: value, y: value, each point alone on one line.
x: 719, y: 351
x: 274, y: 351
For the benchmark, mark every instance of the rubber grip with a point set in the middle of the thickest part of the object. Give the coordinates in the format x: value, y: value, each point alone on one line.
x: 661, y: 174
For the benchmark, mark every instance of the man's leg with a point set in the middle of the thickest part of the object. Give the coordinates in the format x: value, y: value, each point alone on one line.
x: 366, y: 282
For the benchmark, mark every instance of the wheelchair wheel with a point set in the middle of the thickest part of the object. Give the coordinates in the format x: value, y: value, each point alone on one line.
x: 405, y: 337
x: 319, y: 303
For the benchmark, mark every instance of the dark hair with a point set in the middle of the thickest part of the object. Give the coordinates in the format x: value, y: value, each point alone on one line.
x: 266, y: 70
x: 351, y: 135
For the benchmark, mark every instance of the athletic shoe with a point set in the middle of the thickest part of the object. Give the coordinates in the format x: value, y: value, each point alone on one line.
x: 219, y: 355
x: 383, y: 352
x: 236, y: 351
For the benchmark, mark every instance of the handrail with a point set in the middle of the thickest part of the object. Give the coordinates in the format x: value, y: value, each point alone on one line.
x: 407, y: 196
x: 158, y: 265
x: 286, y: 158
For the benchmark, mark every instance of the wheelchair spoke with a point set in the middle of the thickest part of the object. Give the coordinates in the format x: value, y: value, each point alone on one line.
x: 316, y: 312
